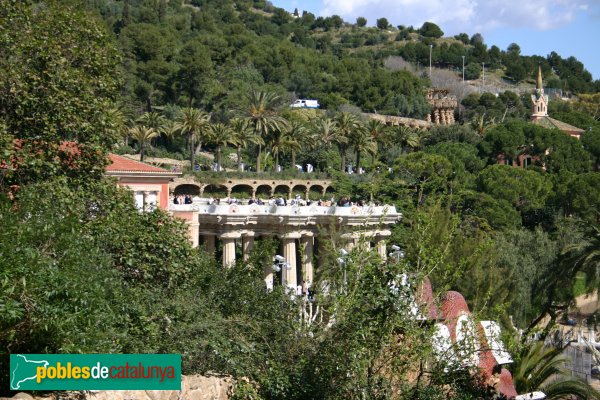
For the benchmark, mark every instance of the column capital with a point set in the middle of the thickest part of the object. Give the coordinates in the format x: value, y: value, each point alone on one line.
x: 290, y: 235
x: 231, y: 235
x: 383, y: 233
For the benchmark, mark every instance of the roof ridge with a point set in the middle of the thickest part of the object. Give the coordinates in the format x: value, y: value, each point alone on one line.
x: 124, y: 164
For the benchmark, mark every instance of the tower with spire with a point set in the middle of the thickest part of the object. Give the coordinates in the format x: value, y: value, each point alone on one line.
x: 539, y: 99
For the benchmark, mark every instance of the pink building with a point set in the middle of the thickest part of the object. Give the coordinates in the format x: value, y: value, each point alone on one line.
x: 149, y: 184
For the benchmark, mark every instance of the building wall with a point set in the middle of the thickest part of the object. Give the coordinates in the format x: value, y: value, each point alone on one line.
x: 161, y: 188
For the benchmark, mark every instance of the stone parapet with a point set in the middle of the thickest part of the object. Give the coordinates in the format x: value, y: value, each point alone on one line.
x: 219, y: 217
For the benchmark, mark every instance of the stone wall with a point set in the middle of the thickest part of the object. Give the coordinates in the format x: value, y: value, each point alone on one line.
x: 193, y: 387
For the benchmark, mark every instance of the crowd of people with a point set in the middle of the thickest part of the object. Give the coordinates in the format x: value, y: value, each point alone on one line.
x: 344, y: 201
x: 182, y: 199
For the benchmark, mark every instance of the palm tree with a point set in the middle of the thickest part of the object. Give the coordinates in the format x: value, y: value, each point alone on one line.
x: 583, y: 258
x: 243, y: 135
x: 142, y: 134
x: 407, y: 138
x: 152, y: 120
x: 117, y: 127
x: 193, y: 123
x: 169, y: 129
x: 263, y: 117
x: 295, y: 133
x: 377, y: 130
x: 542, y: 368
x: 346, y: 124
x: 481, y: 124
x: 220, y: 135
x: 362, y: 141
x: 324, y: 131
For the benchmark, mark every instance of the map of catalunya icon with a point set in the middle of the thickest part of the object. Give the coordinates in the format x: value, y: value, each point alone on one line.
x: 25, y: 370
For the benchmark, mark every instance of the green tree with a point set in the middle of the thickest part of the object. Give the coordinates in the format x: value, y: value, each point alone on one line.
x: 481, y: 124
x: 429, y: 29
x: 143, y: 135
x: 193, y: 123
x: 543, y: 368
x: 405, y: 137
x: 169, y: 129
x: 262, y: 115
x: 361, y: 22
x: 196, y: 72
x: 516, y: 71
x: 362, y: 142
x: 383, y: 23
x: 324, y: 131
x: 220, y: 135
x: 152, y: 120
x: 506, y: 140
x: 243, y: 135
x: 377, y: 130
x: 472, y: 71
x: 425, y: 173
x: 295, y: 133
x: 84, y: 256
x: 347, y: 124
x: 47, y: 73
x: 525, y: 189
x: 584, y: 257
x: 463, y: 156
x: 591, y: 142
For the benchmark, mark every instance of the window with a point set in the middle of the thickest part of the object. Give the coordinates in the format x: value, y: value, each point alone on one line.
x: 146, y: 201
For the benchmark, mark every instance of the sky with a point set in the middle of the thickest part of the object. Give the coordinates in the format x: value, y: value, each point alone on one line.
x: 568, y: 27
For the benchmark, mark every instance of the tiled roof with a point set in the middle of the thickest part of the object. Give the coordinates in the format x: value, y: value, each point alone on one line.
x: 552, y: 123
x: 120, y: 164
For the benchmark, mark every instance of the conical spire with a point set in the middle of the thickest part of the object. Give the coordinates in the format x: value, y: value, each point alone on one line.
x: 538, y: 84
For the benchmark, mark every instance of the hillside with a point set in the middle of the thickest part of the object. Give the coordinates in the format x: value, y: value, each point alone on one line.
x: 209, y: 54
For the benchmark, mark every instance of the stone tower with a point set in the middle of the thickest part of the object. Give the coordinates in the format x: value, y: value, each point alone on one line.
x: 539, y: 100
x: 442, y: 106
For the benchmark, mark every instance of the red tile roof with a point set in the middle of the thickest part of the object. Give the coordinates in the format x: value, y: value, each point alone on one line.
x: 552, y: 123
x: 120, y: 164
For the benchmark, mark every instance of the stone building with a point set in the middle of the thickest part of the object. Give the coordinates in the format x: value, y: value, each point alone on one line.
x: 233, y: 228
x: 539, y: 112
x: 150, y: 185
x: 442, y: 106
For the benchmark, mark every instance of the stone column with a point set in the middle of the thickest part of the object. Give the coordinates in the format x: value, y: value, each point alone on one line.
x: 228, y: 240
x: 380, y: 243
x: 381, y: 248
x: 350, y: 241
x: 307, y: 243
x: 247, y: 245
x: 268, y: 273
x: 366, y: 242
x: 228, y: 251
x: 194, y: 227
x: 290, y: 276
x: 209, y: 243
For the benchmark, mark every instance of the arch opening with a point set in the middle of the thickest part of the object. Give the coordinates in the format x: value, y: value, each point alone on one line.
x: 242, y: 191
x: 215, y: 191
x: 187, y: 188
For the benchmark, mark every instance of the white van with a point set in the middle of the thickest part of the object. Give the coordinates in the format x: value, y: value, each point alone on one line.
x: 305, y: 103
